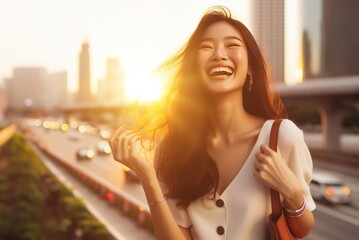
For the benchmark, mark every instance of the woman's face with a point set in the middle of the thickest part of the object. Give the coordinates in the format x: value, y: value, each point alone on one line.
x: 222, y: 58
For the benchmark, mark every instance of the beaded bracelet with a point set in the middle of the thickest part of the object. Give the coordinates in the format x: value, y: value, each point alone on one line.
x: 157, y: 202
x: 298, y: 212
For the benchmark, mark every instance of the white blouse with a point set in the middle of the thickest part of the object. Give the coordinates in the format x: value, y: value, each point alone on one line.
x: 241, y: 212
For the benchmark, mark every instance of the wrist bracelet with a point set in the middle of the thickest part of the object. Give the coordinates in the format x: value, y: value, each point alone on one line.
x: 295, y: 216
x: 157, y: 202
x: 298, y: 212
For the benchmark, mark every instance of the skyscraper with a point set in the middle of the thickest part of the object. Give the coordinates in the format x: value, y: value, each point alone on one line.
x: 115, y: 81
x: 268, y: 29
x: 340, y: 37
x: 84, y: 92
x: 33, y: 88
x: 111, y: 89
x: 330, y: 38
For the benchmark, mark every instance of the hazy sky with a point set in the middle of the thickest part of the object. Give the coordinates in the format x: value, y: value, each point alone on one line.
x: 139, y: 33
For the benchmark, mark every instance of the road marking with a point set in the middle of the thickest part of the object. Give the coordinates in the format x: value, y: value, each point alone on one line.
x: 338, y: 215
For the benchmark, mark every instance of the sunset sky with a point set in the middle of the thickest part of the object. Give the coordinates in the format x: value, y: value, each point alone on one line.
x: 139, y: 33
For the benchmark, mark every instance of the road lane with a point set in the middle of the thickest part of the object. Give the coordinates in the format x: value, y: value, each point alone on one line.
x: 331, y: 228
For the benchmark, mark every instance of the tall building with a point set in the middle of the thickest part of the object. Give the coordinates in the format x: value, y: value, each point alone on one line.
x: 33, y: 88
x: 330, y: 38
x: 268, y: 29
x: 84, y: 91
x: 112, y: 87
x: 340, y: 37
x: 3, y: 101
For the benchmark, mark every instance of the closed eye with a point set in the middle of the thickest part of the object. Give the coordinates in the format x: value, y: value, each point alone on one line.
x: 205, y: 46
x: 233, y: 45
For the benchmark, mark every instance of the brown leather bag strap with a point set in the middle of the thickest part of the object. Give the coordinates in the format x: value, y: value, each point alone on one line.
x: 273, y: 141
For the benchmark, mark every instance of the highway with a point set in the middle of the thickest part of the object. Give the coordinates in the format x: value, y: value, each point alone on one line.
x: 332, y: 222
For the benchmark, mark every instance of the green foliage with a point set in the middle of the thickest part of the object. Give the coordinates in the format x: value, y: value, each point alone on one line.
x: 65, y: 224
x: 30, y: 231
x: 26, y: 188
x: 352, y: 120
x: 304, y: 114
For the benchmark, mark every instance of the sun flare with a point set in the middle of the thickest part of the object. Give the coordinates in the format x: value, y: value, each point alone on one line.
x: 143, y: 88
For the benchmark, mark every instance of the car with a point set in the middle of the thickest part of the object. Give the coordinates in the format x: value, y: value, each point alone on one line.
x: 103, y: 147
x: 73, y: 136
x: 105, y: 133
x: 329, y: 188
x: 85, y: 153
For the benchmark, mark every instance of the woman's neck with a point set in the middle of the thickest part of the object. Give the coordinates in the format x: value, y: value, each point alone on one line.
x: 230, y: 119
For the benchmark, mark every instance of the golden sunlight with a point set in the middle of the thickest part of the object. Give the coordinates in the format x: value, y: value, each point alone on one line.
x: 142, y: 88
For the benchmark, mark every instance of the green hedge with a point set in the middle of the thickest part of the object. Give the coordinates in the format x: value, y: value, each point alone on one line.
x: 35, y: 205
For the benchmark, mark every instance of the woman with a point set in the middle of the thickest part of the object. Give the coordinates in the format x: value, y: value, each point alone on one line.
x: 213, y: 168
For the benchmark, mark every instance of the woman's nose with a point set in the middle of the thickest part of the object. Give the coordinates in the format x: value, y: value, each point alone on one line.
x: 219, y: 54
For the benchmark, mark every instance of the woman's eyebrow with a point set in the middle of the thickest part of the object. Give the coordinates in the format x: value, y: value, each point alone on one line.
x: 210, y: 39
x: 233, y: 37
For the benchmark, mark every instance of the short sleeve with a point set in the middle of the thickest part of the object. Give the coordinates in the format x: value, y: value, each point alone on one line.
x: 295, y: 151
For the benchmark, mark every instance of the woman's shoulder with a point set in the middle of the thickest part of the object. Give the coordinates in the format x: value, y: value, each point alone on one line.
x: 289, y: 127
x: 289, y: 133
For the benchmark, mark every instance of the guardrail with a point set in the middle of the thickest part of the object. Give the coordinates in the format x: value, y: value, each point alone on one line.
x: 7, y: 133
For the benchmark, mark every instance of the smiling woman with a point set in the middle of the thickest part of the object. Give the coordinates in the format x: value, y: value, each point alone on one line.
x: 205, y: 162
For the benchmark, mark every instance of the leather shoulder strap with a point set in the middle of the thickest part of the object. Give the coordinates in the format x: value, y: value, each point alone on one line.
x: 273, y: 141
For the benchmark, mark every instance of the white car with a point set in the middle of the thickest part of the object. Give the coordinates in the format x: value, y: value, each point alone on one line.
x: 85, y: 153
x: 329, y: 188
x: 103, y: 147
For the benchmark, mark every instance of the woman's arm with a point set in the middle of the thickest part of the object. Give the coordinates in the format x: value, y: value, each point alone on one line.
x: 125, y: 151
x: 300, y: 223
x: 273, y: 171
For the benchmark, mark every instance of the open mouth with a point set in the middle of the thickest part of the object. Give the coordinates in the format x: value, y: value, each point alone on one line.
x: 220, y: 72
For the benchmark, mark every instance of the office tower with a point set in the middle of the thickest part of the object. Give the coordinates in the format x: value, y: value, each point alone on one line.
x: 330, y: 38
x: 33, y: 88
x: 268, y: 29
x: 340, y: 37
x: 3, y: 101
x: 115, y: 81
x: 112, y: 87
x: 84, y: 91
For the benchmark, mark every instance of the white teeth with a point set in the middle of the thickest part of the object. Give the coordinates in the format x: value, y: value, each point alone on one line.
x: 221, y: 69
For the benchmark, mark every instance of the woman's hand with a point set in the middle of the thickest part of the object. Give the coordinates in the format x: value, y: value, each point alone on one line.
x: 274, y: 172
x: 126, y: 151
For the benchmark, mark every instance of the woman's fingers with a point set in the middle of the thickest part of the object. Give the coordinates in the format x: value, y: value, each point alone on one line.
x: 120, y: 144
x: 113, y: 140
x: 132, y: 145
x: 266, y: 150
x: 127, y: 148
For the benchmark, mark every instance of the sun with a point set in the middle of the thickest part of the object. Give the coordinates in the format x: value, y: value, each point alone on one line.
x: 142, y: 87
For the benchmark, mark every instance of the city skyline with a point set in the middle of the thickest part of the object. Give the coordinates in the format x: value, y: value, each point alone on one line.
x: 139, y: 34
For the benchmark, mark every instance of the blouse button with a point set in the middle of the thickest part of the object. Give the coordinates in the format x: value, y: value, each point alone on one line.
x: 219, y: 203
x: 220, y: 230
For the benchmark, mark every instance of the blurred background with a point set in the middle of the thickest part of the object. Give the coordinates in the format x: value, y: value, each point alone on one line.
x: 71, y: 72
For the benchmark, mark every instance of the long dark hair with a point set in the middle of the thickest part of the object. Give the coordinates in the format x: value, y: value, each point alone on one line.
x: 183, y: 163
